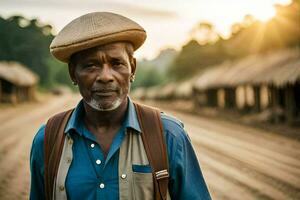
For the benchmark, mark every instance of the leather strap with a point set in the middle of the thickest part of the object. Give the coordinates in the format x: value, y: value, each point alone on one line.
x: 155, y: 147
x: 152, y: 136
x: 53, y: 145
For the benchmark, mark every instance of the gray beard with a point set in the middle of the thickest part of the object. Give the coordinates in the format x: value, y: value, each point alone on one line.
x: 94, y: 104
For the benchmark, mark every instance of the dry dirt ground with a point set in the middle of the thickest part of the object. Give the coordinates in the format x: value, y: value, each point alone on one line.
x: 238, y: 162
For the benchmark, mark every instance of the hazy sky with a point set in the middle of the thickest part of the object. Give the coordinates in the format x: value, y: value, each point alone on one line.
x: 167, y: 22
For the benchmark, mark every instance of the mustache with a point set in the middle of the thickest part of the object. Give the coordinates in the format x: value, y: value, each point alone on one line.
x: 105, y: 88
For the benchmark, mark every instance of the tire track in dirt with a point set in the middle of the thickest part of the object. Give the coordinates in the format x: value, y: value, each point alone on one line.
x: 223, y: 188
x: 253, y: 158
x: 242, y: 168
x: 259, y: 189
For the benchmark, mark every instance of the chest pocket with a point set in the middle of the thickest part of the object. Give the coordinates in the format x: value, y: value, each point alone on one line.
x: 142, y: 182
x: 136, y: 181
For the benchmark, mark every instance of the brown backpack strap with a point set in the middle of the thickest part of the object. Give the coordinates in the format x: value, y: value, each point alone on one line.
x: 155, y: 147
x: 53, y: 145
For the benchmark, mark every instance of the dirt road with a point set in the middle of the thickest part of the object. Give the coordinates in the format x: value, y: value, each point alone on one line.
x: 238, y: 162
x: 17, y: 129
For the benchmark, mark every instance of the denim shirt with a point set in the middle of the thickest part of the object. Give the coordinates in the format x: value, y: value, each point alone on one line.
x: 90, y: 169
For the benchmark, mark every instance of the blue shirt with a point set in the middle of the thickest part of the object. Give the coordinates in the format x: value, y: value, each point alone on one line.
x: 90, y: 168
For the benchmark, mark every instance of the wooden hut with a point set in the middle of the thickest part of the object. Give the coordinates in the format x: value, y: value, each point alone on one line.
x: 184, y: 90
x: 17, y: 83
x: 208, y: 83
x: 256, y: 73
x: 166, y: 92
x: 283, y: 82
x: 275, y: 73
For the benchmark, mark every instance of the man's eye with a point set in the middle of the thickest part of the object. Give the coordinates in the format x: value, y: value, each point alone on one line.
x: 117, y: 63
x: 89, y: 65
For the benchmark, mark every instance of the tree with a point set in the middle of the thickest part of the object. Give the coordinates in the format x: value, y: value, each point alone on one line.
x: 27, y: 41
x: 204, y: 33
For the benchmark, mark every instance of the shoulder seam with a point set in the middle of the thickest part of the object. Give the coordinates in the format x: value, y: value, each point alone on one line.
x: 172, y: 119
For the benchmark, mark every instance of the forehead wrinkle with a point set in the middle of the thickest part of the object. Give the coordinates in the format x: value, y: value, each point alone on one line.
x: 105, y: 53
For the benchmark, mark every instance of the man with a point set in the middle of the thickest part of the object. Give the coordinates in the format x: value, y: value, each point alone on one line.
x: 98, y: 48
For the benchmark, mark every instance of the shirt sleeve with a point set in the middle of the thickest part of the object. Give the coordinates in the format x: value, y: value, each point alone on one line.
x: 37, y: 166
x: 186, y: 179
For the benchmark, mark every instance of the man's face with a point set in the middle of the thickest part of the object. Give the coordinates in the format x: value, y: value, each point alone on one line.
x: 103, y: 75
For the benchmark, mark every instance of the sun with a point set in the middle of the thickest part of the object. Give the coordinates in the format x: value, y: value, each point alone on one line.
x: 264, y: 14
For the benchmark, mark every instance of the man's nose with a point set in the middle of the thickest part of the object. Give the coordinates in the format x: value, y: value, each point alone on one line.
x: 105, y: 74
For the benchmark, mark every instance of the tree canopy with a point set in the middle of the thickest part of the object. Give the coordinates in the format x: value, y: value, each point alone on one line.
x: 207, y: 48
x: 27, y: 41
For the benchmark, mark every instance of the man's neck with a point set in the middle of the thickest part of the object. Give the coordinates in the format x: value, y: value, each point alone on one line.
x: 105, y: 119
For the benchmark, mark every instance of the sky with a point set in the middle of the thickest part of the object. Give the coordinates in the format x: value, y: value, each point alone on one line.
x: 167, y: 22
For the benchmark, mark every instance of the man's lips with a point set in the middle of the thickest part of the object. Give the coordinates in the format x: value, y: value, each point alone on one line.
x: 104, y: 92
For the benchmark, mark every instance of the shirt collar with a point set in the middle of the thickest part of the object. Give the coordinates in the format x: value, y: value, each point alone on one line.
x: 75, y: 122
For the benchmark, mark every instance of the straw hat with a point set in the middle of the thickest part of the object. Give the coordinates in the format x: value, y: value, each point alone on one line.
x: 95, y: 29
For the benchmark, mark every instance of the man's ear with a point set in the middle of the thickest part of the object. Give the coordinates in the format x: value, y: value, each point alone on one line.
x: 71, y: 67
x: 133, y: 65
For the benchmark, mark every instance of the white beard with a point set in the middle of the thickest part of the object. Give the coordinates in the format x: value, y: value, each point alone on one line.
x: 94, y: 104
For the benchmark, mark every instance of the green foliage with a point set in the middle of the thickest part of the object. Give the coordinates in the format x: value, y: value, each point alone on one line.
x: 147, y: 76
x: 195, y: 57
x: 248, y: 37
x: 27, y: 42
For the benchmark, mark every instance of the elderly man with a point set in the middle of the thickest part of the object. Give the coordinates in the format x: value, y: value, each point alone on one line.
x: 95, y: 151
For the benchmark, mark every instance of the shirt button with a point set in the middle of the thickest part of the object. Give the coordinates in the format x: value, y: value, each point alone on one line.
x: 98, y: 162
x: 92, y: 145
x: 69, y: 160
x: 102, y: 185
x: 61, y: 187
x: 123, y: 176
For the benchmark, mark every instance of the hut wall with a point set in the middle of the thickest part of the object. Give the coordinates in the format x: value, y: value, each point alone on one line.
x: 229, y: 97
x: 249, y: 96
x: 240, y: 97
x: 277, y: 103
x: 15, y: 94
x: 8, y: 90
x: 245, y: 98
x: 31, y: 93
x: 264, y: 100
x: 297, y: 98
x: 221, y: 98
x: 290, y: 103
x: 257, y: 97
x: 199, y: 98
x: 212, y: 98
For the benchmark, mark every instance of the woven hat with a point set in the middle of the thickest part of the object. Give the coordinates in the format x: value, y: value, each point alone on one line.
x: 94, y: 29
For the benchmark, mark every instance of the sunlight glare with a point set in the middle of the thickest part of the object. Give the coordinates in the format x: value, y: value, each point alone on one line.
x: 265, y: 13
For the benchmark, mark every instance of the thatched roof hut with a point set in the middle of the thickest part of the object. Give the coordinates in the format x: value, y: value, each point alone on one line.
x: 276, y: 68
x: 280, y: 75
x: 152, y: 92
x: 184, y: 89
x: 167, y: 91
x: 17, y: 83
x: 17, y: 74
x: 212, y: 77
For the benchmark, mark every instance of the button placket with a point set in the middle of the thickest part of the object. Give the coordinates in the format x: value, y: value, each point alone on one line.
x: 95, y: 157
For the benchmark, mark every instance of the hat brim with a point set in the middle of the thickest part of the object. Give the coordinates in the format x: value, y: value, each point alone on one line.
x: 63, y: 53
